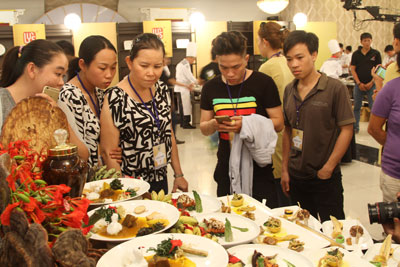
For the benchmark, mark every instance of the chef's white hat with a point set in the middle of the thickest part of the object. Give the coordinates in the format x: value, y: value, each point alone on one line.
x: 191, y: 49
x: 334, y: 46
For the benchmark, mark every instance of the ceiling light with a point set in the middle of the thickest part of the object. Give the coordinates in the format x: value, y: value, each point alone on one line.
x: 300, y: 20
x: 272, y: 6
x: 72, y: 21
x: 197, y: 19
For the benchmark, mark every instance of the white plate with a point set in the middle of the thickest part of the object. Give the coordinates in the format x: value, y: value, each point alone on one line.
x: 349, y: 258
x: 210, y: 204
x: 312, y: 221
x: 126, y: 182
x: 169, y: 211
x: 238, y: 221
x: 364, y: 242
x: 310, y: 239
x: 374, y: 250
x: 261, y: 213
x: 217, y: 255
x: 245, y: 252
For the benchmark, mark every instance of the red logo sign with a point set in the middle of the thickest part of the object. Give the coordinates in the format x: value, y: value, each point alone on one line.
x: 159, y: 32
x: 29, y: 37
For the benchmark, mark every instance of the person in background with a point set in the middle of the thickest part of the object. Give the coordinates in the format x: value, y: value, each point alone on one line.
x: 170, y: 82
x: 209, y: 71
x: 318, y: 130
x: 271, y: 36
x: 332, y: 67
x: 26, y: 70
x: 390, y: 56
x: 345, y: 61
x: 239, y: 92
x: 184, y: 76
x: 362, y: 61
x: 69, y: 51
x: 136, y: 116
x: 81, y: 98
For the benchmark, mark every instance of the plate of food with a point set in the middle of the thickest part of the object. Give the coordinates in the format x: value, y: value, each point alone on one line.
x: 171, y: 249
x: 349, y: 232
x: 335, y: 256
x: 129, y: 219
x: 386, y: 253
x: 195, y: 203
x: 246, y: 206
x: 255, y: 254
x: 286, y: 234
x: 114, y: 190
x: 295, y: 213
x: 231, y: 229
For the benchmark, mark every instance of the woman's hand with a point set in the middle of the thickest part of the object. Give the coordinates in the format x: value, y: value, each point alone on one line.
x: 181, y: 184
x: 48, y: 98
x: 116, y: 153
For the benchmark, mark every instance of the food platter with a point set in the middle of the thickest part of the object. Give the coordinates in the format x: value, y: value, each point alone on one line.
x: 312, y: 221
x: 210, y: 204
x: 349, y: 259
x: 120, y: 255
x: 374, y: 250
x: 364, y: 242
x: 167, y: 210
x: 238, y: 221
x: 245, y: 252
x: 127, y: 183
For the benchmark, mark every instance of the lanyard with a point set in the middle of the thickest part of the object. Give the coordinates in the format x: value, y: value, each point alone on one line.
x: 96, y: 108
x: 276, y: 54
x: 240, y: 91
x: 298, y: 110
x: 156, y: 118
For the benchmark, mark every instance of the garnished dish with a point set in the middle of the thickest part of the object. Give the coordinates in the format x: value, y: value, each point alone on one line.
x: 337, y: 227
x: 273, y: 225
x: 176, y: 250
x: 238, y: 206
x: 385, y: 255
x: 253, y: 255
x: 297, y: 214
x: 237, y: 200
x: 357, y: 232
x: 131, y: 219
x: 114, y: 190
x: 333, y: 258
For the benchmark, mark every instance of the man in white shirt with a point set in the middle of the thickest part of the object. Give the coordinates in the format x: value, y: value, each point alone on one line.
x: 332, y: 67
x: 184, y: 76
x: 390, y: 56
x: 346, y: 60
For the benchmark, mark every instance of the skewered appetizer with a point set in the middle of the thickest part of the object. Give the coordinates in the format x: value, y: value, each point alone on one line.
x: 357, y: 232
x: 303, y: 215
x: 384, y: 252
x: 337, y: 227
x: 288, y: 214
x: 273, y: 225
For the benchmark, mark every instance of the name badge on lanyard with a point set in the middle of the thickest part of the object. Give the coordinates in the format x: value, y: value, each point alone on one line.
x: 159, y: 156
x: 297, y: 134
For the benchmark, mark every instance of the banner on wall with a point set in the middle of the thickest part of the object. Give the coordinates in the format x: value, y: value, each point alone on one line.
x: 26, y: 33
x: 163, y: 30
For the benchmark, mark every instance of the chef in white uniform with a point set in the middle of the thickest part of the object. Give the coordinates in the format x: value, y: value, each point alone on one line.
x: 184, y: 76
x: 332, y: 67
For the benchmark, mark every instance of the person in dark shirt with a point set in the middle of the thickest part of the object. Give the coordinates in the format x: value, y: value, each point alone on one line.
x: 209, y: 71
x: 362, y: 61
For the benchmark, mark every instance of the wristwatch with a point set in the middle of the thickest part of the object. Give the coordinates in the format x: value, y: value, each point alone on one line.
x: 178, y: 175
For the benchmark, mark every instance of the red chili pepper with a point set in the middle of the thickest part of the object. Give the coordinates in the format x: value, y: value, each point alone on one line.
x: 233, y: 259
x: 175, y: 243
x: 188, y: 227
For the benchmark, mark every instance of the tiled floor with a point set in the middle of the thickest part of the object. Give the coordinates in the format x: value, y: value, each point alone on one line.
x: 360, y: 180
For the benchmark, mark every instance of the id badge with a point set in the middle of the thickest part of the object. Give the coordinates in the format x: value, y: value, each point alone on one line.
x: 159, y: 156
x: 297, y: 139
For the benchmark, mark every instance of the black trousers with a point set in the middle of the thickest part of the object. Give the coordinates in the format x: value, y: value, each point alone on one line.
x: 323, y: 197
x: 263, y: 183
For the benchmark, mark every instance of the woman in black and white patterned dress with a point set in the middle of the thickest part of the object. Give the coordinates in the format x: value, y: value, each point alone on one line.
x: 137, y: 117
x: 81, y: 98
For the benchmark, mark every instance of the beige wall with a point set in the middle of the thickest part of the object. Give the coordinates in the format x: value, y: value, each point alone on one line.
x: 332, y: 10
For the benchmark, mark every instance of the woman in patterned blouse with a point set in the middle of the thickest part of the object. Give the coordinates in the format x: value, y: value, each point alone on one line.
x: 82, y: 96
x: 137, y: 117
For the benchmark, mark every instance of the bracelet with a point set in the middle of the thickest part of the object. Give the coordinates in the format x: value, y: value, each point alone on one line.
x: 178, y: 175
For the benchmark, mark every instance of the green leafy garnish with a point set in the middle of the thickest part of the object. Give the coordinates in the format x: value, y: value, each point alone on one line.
x: 167, y: 248
x: 103, y: 212
x: 116, y: 184
x: 377, y: 264
x: 289, y: 264
x: 197, y: 199
x: 228, y: 231
x: 260, y: 261
x: 131, y: 192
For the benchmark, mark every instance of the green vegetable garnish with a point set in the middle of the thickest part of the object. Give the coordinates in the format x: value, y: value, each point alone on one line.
x: 228, y: 231
x: 131, y: 192
x: 103, y: 212
x: 197, y: 199
x: 116, y: 184
x: 167, y: 248
x: 289, y: 264
x: 241, y: 229
x: 377, y: 264
x: 260, y: 261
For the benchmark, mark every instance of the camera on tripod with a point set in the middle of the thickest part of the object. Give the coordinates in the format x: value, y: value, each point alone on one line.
x: 383, y: 212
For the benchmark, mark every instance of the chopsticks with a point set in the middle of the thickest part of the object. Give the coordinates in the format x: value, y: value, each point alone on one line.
x: 331, y: 241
